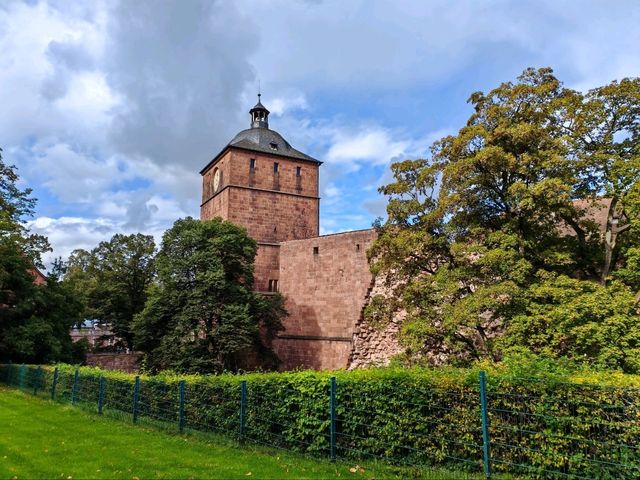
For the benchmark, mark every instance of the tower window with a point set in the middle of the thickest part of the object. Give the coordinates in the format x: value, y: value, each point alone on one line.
x: 298, y: 171
x: 357, y: 247
x: 252, y: 163
x: 316, y: 250
x: 276, y: 166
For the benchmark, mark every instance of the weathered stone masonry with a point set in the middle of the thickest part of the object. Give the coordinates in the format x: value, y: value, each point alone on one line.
x: 262, y: 183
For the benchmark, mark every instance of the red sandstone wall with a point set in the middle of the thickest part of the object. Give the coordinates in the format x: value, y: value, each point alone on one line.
x: 266, y: 266
x: 224, y: 165
x: 126, y: 362
x: 273, y: 216
x: 218, y: 206
x: 273, y: 207
x: 325, y: 294
x: 263, y: 176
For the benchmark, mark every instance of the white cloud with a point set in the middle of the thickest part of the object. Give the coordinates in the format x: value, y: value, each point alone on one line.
x: 74, y: 177
x: 280, y: 105
x: 113, y: 106
x: 375, y: 145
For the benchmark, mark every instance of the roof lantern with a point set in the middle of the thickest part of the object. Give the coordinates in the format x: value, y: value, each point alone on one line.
x: 259, y: 115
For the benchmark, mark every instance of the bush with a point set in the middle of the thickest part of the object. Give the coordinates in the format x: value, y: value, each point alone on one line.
x: 546, y: 419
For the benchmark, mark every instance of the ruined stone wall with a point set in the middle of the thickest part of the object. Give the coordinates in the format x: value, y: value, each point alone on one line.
x: 375, y: 345
x: 326, y: 281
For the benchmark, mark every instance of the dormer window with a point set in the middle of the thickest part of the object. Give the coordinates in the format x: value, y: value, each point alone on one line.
x: 273, y: 145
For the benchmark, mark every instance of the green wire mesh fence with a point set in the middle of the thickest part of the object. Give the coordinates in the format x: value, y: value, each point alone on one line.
x: 525, y: 427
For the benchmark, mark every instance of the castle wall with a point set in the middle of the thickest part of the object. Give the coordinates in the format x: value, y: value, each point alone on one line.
x: 262, y: 176
x: 376, y: 345
x: 325, y: 291
x: 125, y: 362
x: 273, y: 207
x: 266, y: 267
x: 273, y: 216
x: 217, y: 206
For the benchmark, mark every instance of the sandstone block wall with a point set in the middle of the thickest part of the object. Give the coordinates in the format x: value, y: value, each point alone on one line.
x: 217, y: 206
x: 273, y: 216
x: 126, y: 362
x: 263, y: 176
x: 326, y: 281
x: 266, y: 266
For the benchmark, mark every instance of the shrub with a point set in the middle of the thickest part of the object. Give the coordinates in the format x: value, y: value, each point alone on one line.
x: 546, y: 419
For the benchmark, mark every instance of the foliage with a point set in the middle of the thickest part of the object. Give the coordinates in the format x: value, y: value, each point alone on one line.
x: 15, y: 206
x: 542, y: 183
x: 36, y: 328
x: 202, y: 315
x: 82, y: 445
x: 34, y: 319
x: 113, y: 279
x: 547, y: 418
x: 565, y: 317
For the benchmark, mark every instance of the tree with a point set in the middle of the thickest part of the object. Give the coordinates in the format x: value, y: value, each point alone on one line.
x: 15, y: 206
x: 113, y: 280
x: 34, y: 319
x: 203, y: 315
x: 508, y: 200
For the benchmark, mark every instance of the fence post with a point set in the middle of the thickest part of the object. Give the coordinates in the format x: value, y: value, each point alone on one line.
x: 37, y: 380
x: 181, y: 419
x: 333, y: 419
x: 9, y: 365
x: 23, y: 373
x: 54, y: 384
x: 243, y: 407
x: 101, y: 391
x: 486, y: 452
x: 136, y: 396
x: 74, y: 389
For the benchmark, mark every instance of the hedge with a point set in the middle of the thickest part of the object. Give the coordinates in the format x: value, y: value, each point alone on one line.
x: 577, y: 424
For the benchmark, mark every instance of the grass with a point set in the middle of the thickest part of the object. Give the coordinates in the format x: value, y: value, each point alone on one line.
x: 42, y: 439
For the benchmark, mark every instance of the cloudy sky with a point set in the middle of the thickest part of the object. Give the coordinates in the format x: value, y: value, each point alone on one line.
x: 110, y: 108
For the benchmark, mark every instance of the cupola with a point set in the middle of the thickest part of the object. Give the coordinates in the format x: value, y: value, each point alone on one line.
x: 259, y: 115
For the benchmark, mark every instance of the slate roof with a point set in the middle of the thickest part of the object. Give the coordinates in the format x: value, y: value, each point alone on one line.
x: 260, y: 140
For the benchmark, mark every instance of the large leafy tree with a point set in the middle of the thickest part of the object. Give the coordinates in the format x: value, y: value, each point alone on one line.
x: 34, y: 319
x: 515, y: 200
x: 113, y: 279
x: 203, y: 315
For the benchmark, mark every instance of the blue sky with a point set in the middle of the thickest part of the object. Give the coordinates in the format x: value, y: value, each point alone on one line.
x: 111, y: 108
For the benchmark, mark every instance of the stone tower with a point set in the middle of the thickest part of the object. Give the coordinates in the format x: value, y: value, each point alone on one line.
x: 261, y: 182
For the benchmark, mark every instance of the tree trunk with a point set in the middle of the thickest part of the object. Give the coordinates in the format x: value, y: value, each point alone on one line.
x: 613, y: 229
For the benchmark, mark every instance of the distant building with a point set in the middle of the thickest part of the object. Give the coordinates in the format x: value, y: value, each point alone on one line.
x: 100, y: 337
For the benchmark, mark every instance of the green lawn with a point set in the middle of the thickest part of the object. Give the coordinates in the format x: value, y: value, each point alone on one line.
x: 42, y: 439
